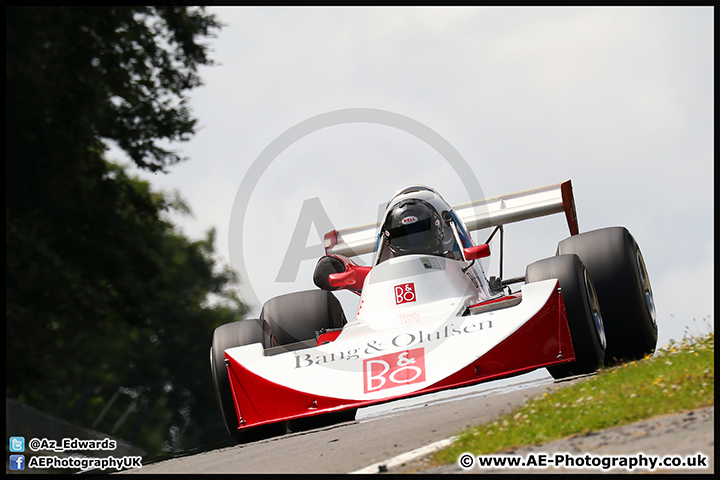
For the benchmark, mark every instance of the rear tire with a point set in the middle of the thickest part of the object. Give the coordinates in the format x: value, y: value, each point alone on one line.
x: 583, y: 312
x: 614, y: 260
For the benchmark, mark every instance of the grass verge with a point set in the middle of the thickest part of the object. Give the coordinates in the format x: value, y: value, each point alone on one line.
x: 679, y: 377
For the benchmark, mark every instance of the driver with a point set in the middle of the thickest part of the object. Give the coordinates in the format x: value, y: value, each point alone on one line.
x: 413, y: 226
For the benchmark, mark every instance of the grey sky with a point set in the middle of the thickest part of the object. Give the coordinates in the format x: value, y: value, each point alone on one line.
x: 619, y: 100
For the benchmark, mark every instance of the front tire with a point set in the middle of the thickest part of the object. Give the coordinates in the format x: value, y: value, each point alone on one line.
x: 583, y: 312
x: 296, y: 317
x: 236, y: 334
x: 613, y: 258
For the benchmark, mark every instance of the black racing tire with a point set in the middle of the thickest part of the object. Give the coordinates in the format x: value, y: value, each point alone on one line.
x: 613, y: 258
x: 236, y: 334
x: 296, y: 317
x: 583, y: 312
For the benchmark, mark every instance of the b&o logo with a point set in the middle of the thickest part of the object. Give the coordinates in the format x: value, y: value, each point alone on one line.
x: 409, y: 318
x: 394, y: 370
x: 405, y: 293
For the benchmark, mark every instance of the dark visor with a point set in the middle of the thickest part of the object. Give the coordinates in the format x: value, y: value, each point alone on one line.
x: 417, y: 233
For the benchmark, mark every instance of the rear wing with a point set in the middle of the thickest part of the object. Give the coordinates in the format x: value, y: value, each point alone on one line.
x: 489, y: 212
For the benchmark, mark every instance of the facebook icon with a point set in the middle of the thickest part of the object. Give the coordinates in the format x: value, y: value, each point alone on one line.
x: 17, y: 462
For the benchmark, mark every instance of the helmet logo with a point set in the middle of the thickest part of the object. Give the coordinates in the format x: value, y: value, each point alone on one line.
x: 408, y: 220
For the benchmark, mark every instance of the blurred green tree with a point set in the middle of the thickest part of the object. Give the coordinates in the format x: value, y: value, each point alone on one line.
x: 105, y: 298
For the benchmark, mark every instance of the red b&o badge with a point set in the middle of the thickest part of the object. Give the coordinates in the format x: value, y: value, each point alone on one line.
x: 394, y: 370
x: 404, y: 293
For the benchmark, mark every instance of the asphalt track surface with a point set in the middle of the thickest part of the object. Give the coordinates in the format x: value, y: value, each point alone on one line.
x: 398, y: 437
x: 677, y: 438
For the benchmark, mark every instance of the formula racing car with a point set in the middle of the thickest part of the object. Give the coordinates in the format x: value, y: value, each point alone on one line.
x: 428, y: 317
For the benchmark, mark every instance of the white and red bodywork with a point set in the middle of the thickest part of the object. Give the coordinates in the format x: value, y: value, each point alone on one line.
x: 422, y: 326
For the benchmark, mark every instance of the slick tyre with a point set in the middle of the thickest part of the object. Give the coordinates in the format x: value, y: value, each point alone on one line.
x: 236, y: 334
x: 616, y: 265
x: 583, y: 312
x: 296, y: 317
